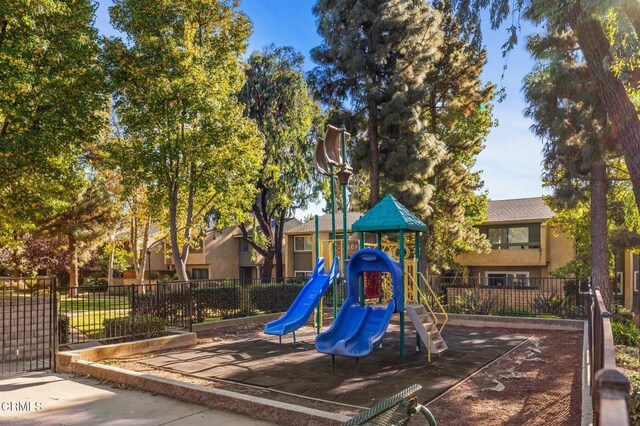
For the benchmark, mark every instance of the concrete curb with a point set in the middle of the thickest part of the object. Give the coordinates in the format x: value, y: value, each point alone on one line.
x: 65, y: 360
x: 524, y: 323
x: 256, y: 407
x: 587, y: 408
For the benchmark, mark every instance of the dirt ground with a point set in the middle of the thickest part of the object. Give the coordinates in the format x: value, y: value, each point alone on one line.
x: 537, y: 374
x: 538, y: 383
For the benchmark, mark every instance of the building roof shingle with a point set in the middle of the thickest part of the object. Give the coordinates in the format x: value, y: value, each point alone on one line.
x: 520, y: 209
x: 324, y: 223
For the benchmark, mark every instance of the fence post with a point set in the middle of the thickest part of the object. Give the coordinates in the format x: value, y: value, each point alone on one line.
x: 611, y: 389
x: 53, y: 299
x: 189, y: 305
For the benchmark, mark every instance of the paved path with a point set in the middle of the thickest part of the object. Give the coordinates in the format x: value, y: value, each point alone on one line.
x: 61, y: 399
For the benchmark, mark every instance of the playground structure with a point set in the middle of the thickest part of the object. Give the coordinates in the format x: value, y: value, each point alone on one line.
x: 376, y: 286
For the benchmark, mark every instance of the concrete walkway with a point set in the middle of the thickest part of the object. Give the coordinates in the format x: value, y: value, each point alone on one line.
x: 61, y: 399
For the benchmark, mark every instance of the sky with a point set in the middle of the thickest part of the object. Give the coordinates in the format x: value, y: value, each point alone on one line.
x: 511, y: 161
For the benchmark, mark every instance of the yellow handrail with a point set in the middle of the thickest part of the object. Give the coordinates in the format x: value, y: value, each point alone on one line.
x: 424, y: 301
x: 436, y: 299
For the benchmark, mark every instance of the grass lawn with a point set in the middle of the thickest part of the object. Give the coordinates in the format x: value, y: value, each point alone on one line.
x: 87, y: 312
x: 93, y: 302
x: 92, y: 323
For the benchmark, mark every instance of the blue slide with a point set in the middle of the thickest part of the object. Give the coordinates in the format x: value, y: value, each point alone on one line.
x: 306, y: 301
x: 357, y: 329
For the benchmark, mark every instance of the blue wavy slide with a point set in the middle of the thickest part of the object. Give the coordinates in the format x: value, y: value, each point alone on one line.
x: 308, y: 298
x: 356, y: 330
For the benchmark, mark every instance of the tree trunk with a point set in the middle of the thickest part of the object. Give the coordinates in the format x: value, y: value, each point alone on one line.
x: 73, y: 267
x: 599, y: 241
x: 267, y: 267
x: 279, y: 235
x: 180, y: 265
x: 143, y: 254
x: 374, y: 155
x: 110, y: 270
x: 623, y: 115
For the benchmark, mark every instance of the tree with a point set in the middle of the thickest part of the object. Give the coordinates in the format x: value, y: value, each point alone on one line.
x: 174, y: 82
x: 372, y: 67
x: 276, y: 96
x: 587, y: 20
x: 459, y: 114
x: 51, y: 96
x: 86, y: 224
x: 572, y: 121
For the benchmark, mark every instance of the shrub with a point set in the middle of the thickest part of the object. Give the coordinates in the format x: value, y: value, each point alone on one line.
x: 240, y: 314
x: 275, y: 297
x: 509, y: 311
x: 94, y: 284
x: 625, y: 333
x: 63, y: 329
x: 472, y: 302
x: 549, y: 305
x: 163, y: 302
x: 621, y: 314
x: 221, y: 300
x: 136, y: 327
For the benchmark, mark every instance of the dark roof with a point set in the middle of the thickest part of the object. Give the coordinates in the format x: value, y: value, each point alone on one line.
x: 288, y: 224
x: 520, y: 209
x: 389, y: 215
x: 324, y: 223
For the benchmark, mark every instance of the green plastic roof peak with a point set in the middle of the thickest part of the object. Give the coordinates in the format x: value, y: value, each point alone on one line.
x: 388, y: 215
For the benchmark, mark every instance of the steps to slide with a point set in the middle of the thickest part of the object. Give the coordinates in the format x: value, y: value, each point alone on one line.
x: 306, y: 301
x: 426, y: 328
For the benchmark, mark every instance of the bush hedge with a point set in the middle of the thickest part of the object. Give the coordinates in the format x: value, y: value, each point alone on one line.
x: 274, y: 298
x: 63, y: 329
x: 131, y: 328
x: 94, y: 284
x: 625, y: 333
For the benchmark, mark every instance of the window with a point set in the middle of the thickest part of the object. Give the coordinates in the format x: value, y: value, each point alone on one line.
x: 508, y: 279
x: 302, y: 274
x: 244, y: 246
x: 246, y: 274
x: 498, y: 236
x: 519, y: 235
x: 302, y: 243
x: 513, y: 237
x: 200, y: 273
x: 619, y: 284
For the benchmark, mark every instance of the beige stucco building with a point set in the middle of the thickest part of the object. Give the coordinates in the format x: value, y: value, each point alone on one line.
x: 523, y: 244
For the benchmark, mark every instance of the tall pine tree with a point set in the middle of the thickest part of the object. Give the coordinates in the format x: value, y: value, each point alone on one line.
x: 372, y: 67
x: 572, y: 121
x: 459, y: 114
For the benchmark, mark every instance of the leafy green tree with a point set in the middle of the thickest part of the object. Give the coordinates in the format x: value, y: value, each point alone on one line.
x: 51, y: 97
x: 598, y: 41
x: 276, y: 96
x: 579, y: 150
x: 86, y: 223
x: 174, y: 82
x: 372, y: 66
x: 459, y: 114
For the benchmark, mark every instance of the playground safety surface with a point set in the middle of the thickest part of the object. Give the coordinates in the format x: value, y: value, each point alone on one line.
x: 246, y: 360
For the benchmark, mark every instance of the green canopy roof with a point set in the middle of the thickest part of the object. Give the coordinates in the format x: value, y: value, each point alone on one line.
x: 388, y: 215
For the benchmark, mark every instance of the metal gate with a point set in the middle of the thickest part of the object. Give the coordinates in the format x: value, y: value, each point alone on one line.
x: 28, y: 317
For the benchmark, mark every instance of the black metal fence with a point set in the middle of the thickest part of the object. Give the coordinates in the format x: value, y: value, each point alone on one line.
x: 122, y: 312
x: 513, y: 296
x: 27, y: 318
x: 610, y: 386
